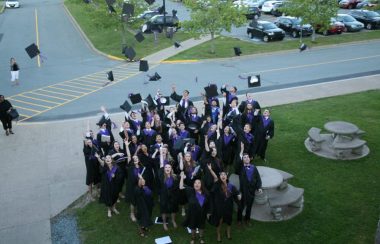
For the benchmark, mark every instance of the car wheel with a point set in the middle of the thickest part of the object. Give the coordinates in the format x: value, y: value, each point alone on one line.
x: 294, y: 34
x: 266, y: 39
x: 325, y: 33
x: 252, y: 36
x: 368, y: 26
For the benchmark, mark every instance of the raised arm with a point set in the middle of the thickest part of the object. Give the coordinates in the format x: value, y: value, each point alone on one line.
x: 99, y: 159
x: 126, y: 145
x: 212, y: 173
x: 180, y: 157
x: 206, y: 144
x: 181, y: 185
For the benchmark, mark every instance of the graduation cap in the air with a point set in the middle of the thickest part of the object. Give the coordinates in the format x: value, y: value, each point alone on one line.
x: 178, y: 144
x: 191, y: 141
x: 164, y: 100
x: 102, y: 121
x: 110, y: 76
x: 129, y: 52
x: 303, y: 47
x: 32, y: 50
x: 211, y: 90
x: 139, y: 36
x: 237, y: 51
x: 148, y: 101
x: 128, y: 9
x: 154, y: 77
x: 126, y: 106
x: 177, y: 44
x: 193, y: 125
x: 150, y: 2
x: 254, y: 81
x: 135, y: 98
x: 144, y: 65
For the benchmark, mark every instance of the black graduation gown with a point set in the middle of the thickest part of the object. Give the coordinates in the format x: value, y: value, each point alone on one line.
x: 144, y: 205
x: 243, y: 105
x: 132, y: 181
x: 181, y: 111
x: 109, y: 191
x: 92, y: 165
x: 248, y: 188
x: 261, y: 131
x: 168, y: 196
x: 104, y: 145
x: 148, y: 138
x: 122, y: 164
x: 217, y: 167
x: 222, y: 203
x: 248, y: 144
x: 227, y: 149
x: 148, y: 162
x: 195, y: 213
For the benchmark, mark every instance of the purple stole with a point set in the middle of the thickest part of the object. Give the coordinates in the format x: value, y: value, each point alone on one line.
x: 147, y: 191
x: 184, y: 134
x: 200, y: 197
x: 248, y: 137
x: 265, y: 121
x: 136, y: 123
x: 227, y: 139
x: 111, y: 173
x: 250, y: 117
x: 169, y: 182
x: 104, y: 132
x: 148, y: 133
x: 194, y: 118
x: 194, y: 154
x: 249, y: 172
x: 137, y: 171
x: 210, y: 134
x: 214, y: 114
x: 230, y: 97
x: 189, y: 172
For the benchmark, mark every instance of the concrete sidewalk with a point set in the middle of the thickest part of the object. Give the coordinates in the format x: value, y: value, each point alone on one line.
x: 43, y: 168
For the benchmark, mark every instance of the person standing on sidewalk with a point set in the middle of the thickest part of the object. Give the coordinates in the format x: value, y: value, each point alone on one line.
x: 6, y: 119
x: 14, y: 72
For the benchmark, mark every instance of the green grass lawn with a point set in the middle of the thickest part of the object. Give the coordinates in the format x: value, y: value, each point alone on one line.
x: 105, y: 30
x: 341, y: 197
x: 224, y: 45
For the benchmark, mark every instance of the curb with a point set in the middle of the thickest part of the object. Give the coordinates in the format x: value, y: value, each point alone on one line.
x: 2, y: 8
x: 85, y: 38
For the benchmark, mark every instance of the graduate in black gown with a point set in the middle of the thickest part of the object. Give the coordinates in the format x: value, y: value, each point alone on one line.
x: 212, y: 158
x: 198, y: 207
x: 250, y: 182
x: 223, y: 195
x: 144, y: 206
x: 227, y: 144
x: 109, y: 190
x: 168, y: 185
x: 92, y: 165
x: 264, y: 131
x: 119, y: 156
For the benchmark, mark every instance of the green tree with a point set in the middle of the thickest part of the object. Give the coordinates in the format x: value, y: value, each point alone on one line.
x: 212, y: 17
x: 318, y: 13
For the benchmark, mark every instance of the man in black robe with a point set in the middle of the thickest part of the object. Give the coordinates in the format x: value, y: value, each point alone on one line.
x: 6, y: 119
x: 263, y: 132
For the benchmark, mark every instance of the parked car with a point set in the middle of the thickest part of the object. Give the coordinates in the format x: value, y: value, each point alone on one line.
x: 268, y: 6
x: 156, y: 23
x: 146, y: 15
x: 253, y: 13
x: 12, y: 4
x: 265, y: 30
x: 366, y: 3
x: 349, y: 3
x: 246, y: 3
x: 276, y: 11
x: 350, y: 22
x: 336, y: 27
x: 370, y: 19
x: 293, y: 26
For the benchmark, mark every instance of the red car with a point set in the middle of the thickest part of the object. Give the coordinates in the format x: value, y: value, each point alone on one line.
x: 336, y: 27
x: 348, y: 3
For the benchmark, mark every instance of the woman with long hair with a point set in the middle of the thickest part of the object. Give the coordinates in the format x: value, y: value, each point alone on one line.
x: 92, y: 165
x: 144, y: 203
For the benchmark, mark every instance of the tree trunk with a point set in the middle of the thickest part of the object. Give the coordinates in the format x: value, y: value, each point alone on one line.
x: 313, y: 35
x: 212, y: 43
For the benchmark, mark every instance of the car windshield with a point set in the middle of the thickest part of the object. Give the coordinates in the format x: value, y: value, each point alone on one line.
x: 268, y: 26
x: 296, y: 21
x: 373, y: 14
x: 349, y: 19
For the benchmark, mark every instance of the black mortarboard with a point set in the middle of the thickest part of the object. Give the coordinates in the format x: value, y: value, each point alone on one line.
x: 150, y: 2
x: 102, y: 121
x: 135, y: 98
x: 237, y: 51
x: 128, y: 9
x: 111, y: 9
x: 178, y: 144
x: 32, y: 50
x: 303, y: 47
x: 177, y: 44
x: 154, y: 77
x: 110, y: 2
x: 139, y: 36
x: 130, y: 53
x: 144, y: 65
x: 254, y: 81
x: 193, y: 125
x: 211, y: 91
x: 110, y: 76
x: 165, y: 100
x: 149, y: 102
x: 126, y: 106
x: 189, y: 140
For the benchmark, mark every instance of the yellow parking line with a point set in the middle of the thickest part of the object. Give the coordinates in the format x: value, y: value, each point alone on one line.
x: 29, y: 109
x: 77, y: 83
x: 23, y: 115
x: 38, y: 99
x: 52, y: 87
x: 76, y: 87
x: 39, y: 94
x: 64, y: 94
x: 96, y: 78
x: 33, y: 104
x: 93, y: 82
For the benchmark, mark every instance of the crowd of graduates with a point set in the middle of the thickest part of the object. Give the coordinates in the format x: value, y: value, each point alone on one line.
x: 181, y: 159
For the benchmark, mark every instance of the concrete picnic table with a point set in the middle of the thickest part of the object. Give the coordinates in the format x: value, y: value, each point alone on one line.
x: 341, y: 130
x: 270, y: 179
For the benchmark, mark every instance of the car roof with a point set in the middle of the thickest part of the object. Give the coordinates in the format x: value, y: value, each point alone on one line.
x: 263, y: 22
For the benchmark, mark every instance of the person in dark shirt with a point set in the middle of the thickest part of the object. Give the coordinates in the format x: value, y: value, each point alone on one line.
x: 14, y: 72
x: 6, y: 119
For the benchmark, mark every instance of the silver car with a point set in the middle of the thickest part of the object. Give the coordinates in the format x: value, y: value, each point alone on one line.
x: 350, y: 23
